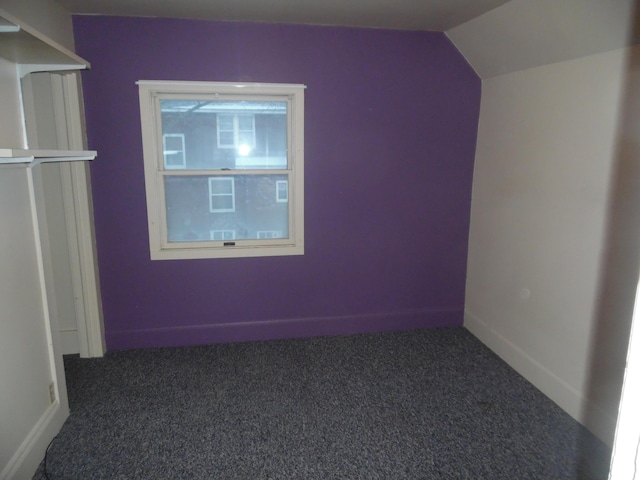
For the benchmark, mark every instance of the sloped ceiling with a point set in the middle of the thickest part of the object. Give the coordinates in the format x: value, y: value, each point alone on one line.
x: 528, y: 33
x: 437, y: 15
x: 495, y: 36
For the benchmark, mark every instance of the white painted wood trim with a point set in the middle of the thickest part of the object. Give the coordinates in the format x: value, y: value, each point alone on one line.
x: 33, y: 51
x: 89, y: 281
x: 170, y: 86
x: 49, y: 309
x: 81, y: 339
x: 76, y: 190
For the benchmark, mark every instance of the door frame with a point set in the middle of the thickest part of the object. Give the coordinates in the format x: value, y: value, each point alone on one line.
x: 78, y: 206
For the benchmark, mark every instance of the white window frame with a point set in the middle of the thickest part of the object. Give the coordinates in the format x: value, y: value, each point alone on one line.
x: 151, y: 93
x: 212, y: 195
x: 166, y: 152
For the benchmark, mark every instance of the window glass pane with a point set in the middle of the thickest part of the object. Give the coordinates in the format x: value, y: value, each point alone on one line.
x: 225, y: 122
x: 245, y: 139
x: 223, y: 134
x: 173, y: 142
x: 245, y: 122
x: 222, y: 234
x: 221, y: 186
x: 174, y: 160
x: 247, y: 205
x: 173, y: 151
x: 282, y: 191
x: 222, y: 203
x: 225, y: 139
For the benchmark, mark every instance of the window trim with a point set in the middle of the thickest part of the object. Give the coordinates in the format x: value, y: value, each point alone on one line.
x: 150, y: 93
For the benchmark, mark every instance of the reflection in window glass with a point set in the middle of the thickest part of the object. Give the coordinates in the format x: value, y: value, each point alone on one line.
x: 173, y: 150
x: 228, y: 134
x: 198, y: 205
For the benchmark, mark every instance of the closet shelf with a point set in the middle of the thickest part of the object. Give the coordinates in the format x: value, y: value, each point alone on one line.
x: 35, y: 157
x: 32, y: 51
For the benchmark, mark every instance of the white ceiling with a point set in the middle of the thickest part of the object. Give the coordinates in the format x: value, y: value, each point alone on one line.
x: 433, y: 15
x: 528, y: 33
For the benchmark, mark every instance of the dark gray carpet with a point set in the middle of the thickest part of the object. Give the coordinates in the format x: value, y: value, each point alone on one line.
x: 433, y: 404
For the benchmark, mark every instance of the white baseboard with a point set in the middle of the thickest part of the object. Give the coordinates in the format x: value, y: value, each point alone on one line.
x: 571, y: 400
x: 25, y: 461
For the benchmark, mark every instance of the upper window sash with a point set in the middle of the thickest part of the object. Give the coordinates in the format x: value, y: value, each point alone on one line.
x: 232, y: 123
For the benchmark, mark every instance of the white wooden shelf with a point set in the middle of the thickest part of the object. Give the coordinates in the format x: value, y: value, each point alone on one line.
x: 32, y: 51
x: 35, y: 157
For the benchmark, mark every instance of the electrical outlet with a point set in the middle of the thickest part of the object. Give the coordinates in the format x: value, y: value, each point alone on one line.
x: 52, y: 392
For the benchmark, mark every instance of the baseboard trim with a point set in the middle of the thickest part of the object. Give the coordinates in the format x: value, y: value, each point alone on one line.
x: 571, y: 400
x: 27, y: 458
x: 287, y: 328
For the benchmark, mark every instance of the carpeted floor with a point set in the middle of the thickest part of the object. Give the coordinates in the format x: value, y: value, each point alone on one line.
x: 432, y: 404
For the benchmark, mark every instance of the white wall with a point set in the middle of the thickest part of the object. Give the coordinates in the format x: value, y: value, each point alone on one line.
x: 26, y: 364
x: 546, y: 231
x: 44, y: 131
x: 529, y: 33
x: 10, y: 120
x: 60, y: 258
x: 30, y: 359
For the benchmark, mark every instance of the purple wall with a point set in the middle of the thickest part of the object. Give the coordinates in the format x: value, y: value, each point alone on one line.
x: 391, y: 121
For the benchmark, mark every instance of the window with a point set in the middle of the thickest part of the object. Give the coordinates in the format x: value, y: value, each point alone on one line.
x: 237, y: 131
x: 269, y: 234
x: 222, y: 195
x: 238, y: 190
x: 282, y: 191
x: 173, y: 150
x: 222, y: 234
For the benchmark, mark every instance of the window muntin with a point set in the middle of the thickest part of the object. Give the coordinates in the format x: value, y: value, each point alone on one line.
x: 239, y: 189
